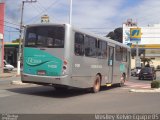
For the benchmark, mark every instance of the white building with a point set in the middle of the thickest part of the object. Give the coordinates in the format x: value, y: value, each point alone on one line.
x: 45, y: 19
x: 149, y: 40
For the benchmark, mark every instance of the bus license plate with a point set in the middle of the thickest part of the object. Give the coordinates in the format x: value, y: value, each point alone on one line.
x: 41, y: 72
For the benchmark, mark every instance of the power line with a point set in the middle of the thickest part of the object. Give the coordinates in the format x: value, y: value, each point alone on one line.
x: 39, y: 10
x: 10, y: 26
x: 9, y: 22
x: 10, y: 31
x: 12, y: 23
x: 35, y: 17
x: 41, y: 7
x: 35, y: 7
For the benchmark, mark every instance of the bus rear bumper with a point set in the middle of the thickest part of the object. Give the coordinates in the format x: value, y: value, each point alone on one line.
x: 27, y: 78
x: 57, y: 80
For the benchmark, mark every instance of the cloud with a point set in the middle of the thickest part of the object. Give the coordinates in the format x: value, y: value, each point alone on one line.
x: 102, y: 16
x: 146, y: 12
x: 12, y: 10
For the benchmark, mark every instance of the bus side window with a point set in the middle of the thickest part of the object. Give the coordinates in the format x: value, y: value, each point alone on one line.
x: 111, y: 56
x: 119, y: 53
x: 90, y: 46
x: 102, y: 49
x: 124, y: 55
x: 79, y: 44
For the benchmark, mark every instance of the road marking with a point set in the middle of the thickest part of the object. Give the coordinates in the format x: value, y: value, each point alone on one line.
x: 6, y: 93
x: 137, y: 85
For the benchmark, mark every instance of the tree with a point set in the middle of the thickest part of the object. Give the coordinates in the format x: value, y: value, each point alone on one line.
x: 116, y: 34
x: 111, y: 35
x: 15, y: 41
x: 146, y: 60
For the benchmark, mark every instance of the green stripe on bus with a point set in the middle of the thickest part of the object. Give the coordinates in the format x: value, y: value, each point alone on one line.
x: 36, y: 60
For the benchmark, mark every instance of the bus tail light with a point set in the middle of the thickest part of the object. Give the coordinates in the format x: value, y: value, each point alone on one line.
x: 64, y: 67
x: 65, y: 62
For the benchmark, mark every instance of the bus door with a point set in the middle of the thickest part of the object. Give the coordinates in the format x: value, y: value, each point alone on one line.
x: 110, y: 64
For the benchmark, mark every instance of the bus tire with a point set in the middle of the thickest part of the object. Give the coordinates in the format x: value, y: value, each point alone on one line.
x: 123, y: 79
x: 97, y: 84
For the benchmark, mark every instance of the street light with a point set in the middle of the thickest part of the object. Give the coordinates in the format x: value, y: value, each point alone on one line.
x: 70, y: 14
x: 20, y: 35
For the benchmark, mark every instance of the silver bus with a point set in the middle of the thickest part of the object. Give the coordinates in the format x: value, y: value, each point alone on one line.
x: 62, y: 55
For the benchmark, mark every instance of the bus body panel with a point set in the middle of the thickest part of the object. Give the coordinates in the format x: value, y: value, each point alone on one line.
x: 40, y: 62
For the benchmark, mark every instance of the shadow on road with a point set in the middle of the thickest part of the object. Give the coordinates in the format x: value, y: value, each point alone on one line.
x: 48, y: 91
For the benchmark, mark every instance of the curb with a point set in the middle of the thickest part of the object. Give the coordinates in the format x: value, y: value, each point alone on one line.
x: 11, y: 75
x: 6, y: 76
x: 145, y: 91
x: 18, y: 83
x: 18, y: 75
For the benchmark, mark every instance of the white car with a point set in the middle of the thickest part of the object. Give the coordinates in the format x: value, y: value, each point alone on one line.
x: 7, y: 66
x: 135, y: 72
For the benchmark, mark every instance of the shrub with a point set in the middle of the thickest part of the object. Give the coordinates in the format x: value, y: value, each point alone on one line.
x: 155, y: 84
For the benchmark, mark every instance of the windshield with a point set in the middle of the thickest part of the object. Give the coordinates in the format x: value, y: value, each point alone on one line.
x: 147, y: 70
x: 45, y: 36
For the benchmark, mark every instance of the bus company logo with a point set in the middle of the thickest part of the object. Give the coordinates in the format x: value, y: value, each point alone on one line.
x: 135, y: 34
x: 32, y: 61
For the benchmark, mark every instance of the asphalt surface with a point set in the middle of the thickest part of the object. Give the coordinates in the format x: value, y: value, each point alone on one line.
x: 35, y: 99
x: 41, y: 99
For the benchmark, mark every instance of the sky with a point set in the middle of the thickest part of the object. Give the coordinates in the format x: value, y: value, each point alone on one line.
x: 97, y: 16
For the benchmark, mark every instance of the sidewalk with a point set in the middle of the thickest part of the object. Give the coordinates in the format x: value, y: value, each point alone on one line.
x: 8, y: 74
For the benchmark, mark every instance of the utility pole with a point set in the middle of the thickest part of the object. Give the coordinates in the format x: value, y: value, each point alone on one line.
x: 138, y: 60
x: 20, y: 35
x: 70, y: 14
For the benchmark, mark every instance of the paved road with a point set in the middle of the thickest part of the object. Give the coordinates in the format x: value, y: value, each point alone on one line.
x: 43, y: 99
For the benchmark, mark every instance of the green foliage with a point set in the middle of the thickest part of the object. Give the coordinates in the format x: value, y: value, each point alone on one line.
x: 116, y: 34
x: 155, y: 84
x: 15, y: 41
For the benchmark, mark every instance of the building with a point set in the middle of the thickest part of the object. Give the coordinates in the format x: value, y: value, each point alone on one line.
x: 11, y: 53
x: 148, y: 41
x: 2, y: 4
x: 45, y: 19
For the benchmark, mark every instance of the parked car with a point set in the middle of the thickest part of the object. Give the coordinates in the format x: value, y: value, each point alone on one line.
x: 7, y: 66
x: 147, y: 72
x: 135, y: 72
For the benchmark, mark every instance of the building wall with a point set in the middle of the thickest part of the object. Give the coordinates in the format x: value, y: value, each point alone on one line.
x: 149, y: 34
x: 155, y: 62
x: 1, y: 34
x: 150, y: 41
x: 11, y: 53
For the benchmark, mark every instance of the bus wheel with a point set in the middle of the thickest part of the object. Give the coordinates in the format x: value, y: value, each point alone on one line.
x: 122, y: 81
x: 97, y: 84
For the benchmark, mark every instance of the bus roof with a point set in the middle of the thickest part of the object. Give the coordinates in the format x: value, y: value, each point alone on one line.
x: 81, y: 31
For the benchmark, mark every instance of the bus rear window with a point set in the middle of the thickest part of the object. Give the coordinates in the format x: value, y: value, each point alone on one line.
x: 45, y: 36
